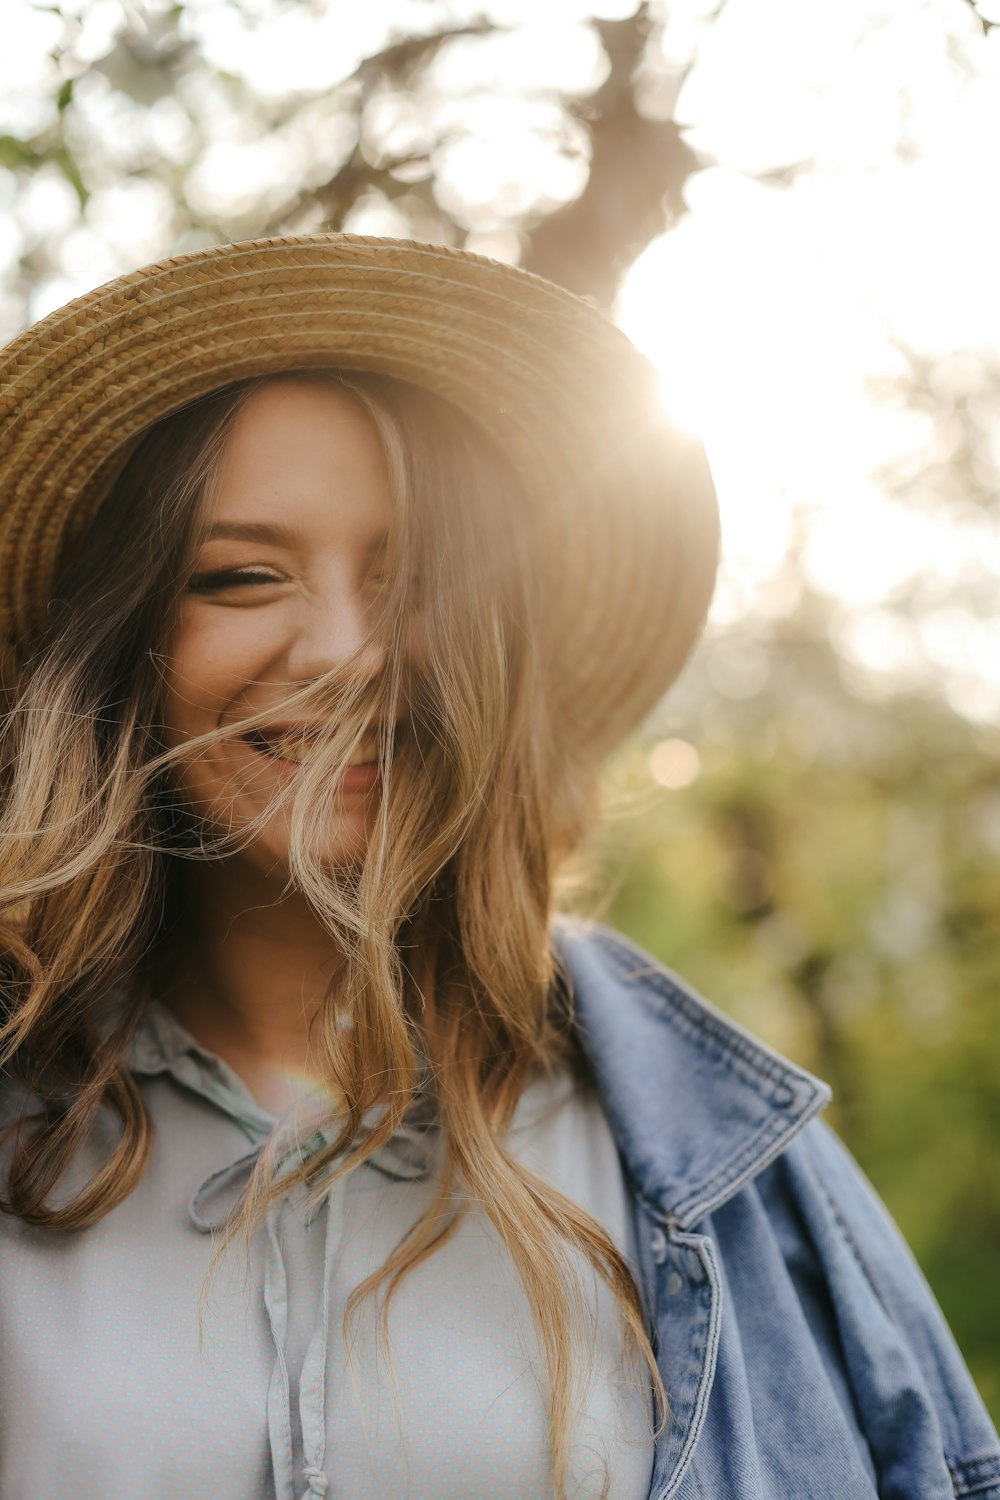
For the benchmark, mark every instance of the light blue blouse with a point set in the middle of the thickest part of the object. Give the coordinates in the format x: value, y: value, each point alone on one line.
x: 110, y: 1388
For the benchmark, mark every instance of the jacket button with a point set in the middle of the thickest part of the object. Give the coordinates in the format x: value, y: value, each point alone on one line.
x: 658, y: 1246
x: 674, y: 1283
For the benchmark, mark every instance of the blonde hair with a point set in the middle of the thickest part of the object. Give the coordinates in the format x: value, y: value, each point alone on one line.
x: 443, y: 924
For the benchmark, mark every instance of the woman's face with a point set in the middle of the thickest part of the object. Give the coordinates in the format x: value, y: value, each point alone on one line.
x: 287, y: 572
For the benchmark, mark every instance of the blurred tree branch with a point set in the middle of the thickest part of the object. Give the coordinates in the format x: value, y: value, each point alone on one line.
x: 394, y: 67
x: 634, y: 189
x: 638, y: 169
x: 984, y: 23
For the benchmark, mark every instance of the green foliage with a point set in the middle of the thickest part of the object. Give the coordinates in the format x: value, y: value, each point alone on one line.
x: 844, y: 908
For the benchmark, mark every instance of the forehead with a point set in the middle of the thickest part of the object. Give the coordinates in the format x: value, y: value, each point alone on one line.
x: 301, y: 453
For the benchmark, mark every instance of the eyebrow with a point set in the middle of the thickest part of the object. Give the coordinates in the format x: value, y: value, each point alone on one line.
x: 246, y: 531
x: 268, y: 532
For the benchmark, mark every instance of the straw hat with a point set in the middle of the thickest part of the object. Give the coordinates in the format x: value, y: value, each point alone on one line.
x: 621, y: 502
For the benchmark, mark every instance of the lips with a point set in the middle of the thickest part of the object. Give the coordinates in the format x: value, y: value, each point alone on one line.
x: 294, y: 746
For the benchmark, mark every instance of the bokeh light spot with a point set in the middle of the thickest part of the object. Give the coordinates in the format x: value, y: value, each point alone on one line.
x: 674, y: 763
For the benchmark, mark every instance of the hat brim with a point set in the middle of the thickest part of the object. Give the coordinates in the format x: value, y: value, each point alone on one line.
x: 624, y: 498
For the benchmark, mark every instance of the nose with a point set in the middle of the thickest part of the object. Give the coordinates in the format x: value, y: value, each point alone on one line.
x: 332, y: 627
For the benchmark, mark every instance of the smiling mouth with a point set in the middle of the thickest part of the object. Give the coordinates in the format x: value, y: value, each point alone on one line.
x: 295, y: 750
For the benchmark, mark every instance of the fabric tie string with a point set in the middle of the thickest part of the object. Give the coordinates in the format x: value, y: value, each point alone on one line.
x: 411, y: 1153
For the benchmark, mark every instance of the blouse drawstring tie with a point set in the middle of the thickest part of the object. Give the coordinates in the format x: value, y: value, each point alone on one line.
x: 209, y: 1209
x: 409, y: 1154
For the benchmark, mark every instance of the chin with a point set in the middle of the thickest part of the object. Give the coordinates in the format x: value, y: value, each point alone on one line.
x: 345, y: 848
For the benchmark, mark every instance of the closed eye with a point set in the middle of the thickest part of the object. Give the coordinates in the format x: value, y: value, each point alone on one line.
x: 227, y: 578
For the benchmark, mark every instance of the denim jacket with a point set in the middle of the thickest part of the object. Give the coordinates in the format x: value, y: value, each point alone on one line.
x: 803, y: 1353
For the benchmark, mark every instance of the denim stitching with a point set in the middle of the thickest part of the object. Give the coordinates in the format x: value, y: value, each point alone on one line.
x: 870, y: 1276
x: 703, y: 1248
x: 741, y: 1057
x: 759, y: 1152
x: 689, y: 1015
x: 974, y: 1476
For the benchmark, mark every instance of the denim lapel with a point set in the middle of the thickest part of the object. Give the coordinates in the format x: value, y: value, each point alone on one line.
x: 697, y: 1105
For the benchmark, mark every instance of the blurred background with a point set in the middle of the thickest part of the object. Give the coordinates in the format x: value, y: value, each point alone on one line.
x: 793, y: 208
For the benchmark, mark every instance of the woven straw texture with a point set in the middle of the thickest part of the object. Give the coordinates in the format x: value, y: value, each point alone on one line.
x: 621, y: 504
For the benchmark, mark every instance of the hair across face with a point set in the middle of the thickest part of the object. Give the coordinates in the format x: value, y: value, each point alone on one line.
x: 292, y: 551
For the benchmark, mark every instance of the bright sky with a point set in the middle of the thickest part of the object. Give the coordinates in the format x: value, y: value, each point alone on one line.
x: 770, y: 309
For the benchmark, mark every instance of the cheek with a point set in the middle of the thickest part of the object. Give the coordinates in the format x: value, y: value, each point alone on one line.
x: 211, y: 661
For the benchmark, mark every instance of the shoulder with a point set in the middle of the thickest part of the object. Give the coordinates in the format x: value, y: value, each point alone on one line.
x: 698, y: 1104
x: 818, y: 1301
x: 875, y: 1322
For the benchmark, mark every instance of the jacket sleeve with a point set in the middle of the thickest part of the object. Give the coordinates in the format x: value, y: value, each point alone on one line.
x: 912, y: 1392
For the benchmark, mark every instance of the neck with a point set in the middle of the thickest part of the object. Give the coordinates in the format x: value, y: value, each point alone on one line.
x: 253, y: 973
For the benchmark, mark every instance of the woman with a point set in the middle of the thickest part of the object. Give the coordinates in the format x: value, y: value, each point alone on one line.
x: 334, y: 1162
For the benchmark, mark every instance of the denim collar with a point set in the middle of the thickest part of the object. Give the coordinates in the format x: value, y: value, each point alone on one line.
x: 697, y: 1105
